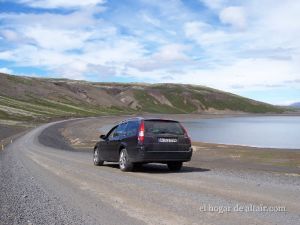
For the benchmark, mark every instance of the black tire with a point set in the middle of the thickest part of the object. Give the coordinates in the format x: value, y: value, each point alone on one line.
x: 138, y: 166
x: 97, y: 159
x: 124, y: 163
x: 174, y: 166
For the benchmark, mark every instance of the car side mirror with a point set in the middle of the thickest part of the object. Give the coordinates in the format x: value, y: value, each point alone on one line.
x: 103, y: 136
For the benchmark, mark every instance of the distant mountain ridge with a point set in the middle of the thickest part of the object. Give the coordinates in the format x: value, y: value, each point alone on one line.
x: 295, y: 105
x: 28, y: 98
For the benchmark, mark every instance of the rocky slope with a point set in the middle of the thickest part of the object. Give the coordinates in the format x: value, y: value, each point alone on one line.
x: 38, y: 99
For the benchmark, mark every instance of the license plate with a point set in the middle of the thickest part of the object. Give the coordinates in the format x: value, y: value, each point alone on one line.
x: 167, y: 140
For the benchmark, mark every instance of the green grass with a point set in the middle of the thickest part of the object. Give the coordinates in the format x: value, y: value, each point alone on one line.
x: 235, y: 103
x: 150, y: 104
x: 21, y: 80
x: 6, y: 116
x: 39, y: 109
x: 239, y: 104
x: 183, y: 99
x: 181, y: 103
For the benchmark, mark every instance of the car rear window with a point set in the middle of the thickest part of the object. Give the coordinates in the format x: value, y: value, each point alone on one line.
x: 163, y: 127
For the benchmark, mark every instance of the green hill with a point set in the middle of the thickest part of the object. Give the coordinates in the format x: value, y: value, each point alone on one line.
x: 39, y: 99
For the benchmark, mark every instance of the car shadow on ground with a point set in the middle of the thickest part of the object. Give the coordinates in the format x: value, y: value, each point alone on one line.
x: 160, y: 168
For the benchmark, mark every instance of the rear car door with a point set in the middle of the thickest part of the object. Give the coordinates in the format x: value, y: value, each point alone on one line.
x: 114, y: 143
x: 131, y: 138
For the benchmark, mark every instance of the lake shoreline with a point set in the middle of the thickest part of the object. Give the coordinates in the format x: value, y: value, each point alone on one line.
x: 83, y: 134
x: 253, y: 148
x: 107, y: 121
x: 214, y: 115
x: 245, y: 157
x: 258, y: 131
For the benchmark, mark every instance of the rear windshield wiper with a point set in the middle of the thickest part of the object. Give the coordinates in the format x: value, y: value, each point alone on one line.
x: 166, y: 132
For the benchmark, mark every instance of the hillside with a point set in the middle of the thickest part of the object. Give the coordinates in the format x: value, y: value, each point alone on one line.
x: 39, y: 99
x: 295, y: 105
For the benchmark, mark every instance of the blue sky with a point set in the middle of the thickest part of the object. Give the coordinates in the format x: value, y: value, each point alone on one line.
x: 251, y: 48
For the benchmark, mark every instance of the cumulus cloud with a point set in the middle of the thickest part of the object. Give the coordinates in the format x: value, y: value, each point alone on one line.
x: 204, y: 34
x: 229, y: 45
x: 6, y: 70
x: 171, y: 52
x: 9, y: 35
x: 257, y: 74
x: 167, y: 57
x: 57, y: 39
x: 234, y: 16
x: 70, y: 45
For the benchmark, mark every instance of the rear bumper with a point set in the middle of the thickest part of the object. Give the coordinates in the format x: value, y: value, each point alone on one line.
x: 161, y: 156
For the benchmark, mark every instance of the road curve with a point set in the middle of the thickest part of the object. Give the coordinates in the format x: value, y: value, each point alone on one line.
x: 40, y: 184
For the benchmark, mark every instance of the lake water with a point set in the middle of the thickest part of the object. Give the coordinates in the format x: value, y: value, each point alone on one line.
x: 265, y: 131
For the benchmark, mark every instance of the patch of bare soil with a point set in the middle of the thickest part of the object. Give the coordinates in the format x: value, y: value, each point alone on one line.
x: 243, y: 157
x: 8, y: 131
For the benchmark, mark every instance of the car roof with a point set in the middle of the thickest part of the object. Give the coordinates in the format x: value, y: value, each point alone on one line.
x: 147, y: 119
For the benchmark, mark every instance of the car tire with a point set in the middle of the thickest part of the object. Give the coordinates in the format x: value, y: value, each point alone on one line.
x: 174, y: 166
x: 97, y: 158
x: 124, y: 163
x: 138, y: 166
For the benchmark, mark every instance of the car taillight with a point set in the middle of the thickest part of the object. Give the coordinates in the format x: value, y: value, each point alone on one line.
x: 185, y: 132
x: 141, y: 136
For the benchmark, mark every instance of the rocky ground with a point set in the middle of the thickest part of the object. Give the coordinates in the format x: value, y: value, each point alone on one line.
x: 43, y: 180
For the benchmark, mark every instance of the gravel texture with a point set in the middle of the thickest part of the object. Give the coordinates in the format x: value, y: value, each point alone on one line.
x: 42, y: 184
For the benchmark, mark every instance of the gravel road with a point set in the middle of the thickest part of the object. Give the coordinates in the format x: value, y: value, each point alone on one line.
x: 48, y: 183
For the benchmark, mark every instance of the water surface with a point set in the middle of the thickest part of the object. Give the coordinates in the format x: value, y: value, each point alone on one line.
x: 264, y: 131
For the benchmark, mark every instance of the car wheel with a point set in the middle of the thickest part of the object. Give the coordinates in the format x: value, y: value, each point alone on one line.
x: 97, y: 159
x: 174, y: 166
x: 124, y: 163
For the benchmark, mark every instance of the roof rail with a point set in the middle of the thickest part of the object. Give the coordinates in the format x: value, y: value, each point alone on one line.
x: 132, y: 118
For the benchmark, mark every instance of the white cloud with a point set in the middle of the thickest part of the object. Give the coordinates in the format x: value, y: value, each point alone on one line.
x: 83, y: 18
x: 57, y: 39
x: 69, y: 45
x: 150, y: 19
x: 247, y: 74
x: 9, y: 35
x: 249, y: 47
x: 234, y: 16
x: 171, y: 52
x: 6, y: 70
x: 167, y: 57
x: 116, y: 51
x: 213, y: 4
x: 61, y: 3
x: 204, y: 34
x: 115, y: 54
